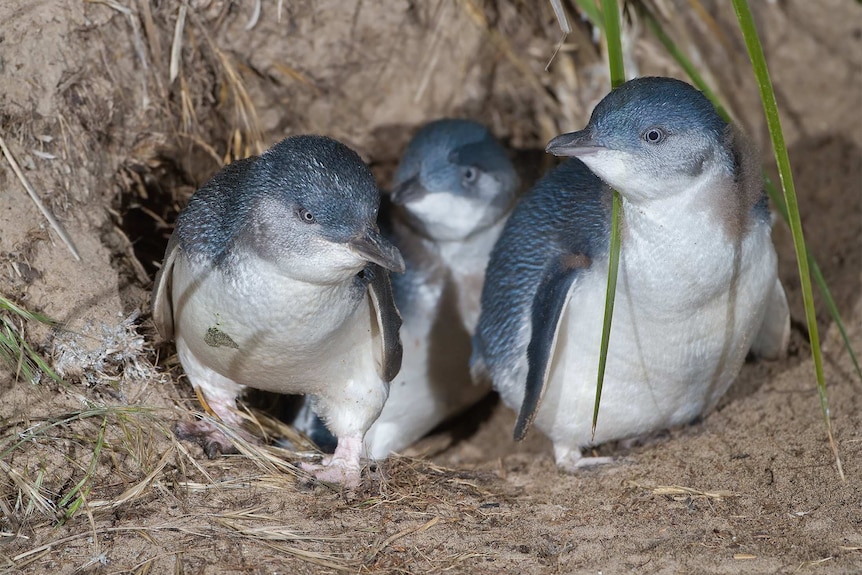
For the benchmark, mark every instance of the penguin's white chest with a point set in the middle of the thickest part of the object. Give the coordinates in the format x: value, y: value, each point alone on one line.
x: 689, y: 303
x: 264, y: 330
x: 466, y: 261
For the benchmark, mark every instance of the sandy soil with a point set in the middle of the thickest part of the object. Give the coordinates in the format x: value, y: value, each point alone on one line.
x: 91, y: 479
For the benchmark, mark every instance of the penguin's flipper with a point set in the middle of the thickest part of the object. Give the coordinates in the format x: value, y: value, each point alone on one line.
x: 549, y: 305
x: 160, y: 302
x: 774, y: 335
x: 388, y: 321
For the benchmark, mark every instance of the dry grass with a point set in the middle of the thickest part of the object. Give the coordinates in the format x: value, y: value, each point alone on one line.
x: 67, y: 477
x: 680, y: 493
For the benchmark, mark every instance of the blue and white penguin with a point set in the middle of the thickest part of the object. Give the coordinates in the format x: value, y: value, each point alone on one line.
x: 275, y: 278
x: 452, y: 192
x: 697, y: 287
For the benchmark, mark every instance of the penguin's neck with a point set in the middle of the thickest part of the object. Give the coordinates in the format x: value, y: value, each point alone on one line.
x: 464, y: 262
x: 710, y: 208
x: 681, y: 244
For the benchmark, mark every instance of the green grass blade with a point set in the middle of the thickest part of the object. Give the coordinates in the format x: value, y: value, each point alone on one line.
x: 610, y: 10
x: 781, y: 206
x: 39, y: 362
x: 26, y: 314
x: 14, y: 349
x: 39, y: 431
x: 613, y: 267
x: 770, y: 107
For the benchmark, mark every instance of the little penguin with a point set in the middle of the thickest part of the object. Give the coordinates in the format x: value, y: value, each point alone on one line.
x: 697, y: 287
x: 276, y: 278
x: 452, y: 191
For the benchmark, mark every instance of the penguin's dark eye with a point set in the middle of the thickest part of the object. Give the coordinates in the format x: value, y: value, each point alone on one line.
x: 469, y: 174
x: 654, y: 135
x: 306, y: 216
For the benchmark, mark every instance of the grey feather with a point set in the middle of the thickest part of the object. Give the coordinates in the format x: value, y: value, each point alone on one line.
x: 566, y: 213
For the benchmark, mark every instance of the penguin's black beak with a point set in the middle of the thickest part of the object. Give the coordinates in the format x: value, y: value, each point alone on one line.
x: 408, y: 191
x: 375, y: 248
x: 574, y: 144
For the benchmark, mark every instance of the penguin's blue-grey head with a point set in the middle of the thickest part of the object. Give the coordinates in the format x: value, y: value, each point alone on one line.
x: 454, y: 179
x: 651, y: 138
x: 315, y: 209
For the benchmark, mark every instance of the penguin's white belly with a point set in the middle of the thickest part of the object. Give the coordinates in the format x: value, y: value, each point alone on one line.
x: 266, y: 331
x: 679, y: 337
x: 434, y: 383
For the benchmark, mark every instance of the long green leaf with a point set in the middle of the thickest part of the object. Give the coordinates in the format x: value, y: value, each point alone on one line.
x: 611, y: 13
x: 26, y: 314
x: 613, y: 36
x: 610, y: 296
x: 833, y: 311
x: 770, y: 108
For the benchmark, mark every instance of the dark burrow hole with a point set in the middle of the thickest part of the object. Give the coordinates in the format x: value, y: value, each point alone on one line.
x: 149, y: 206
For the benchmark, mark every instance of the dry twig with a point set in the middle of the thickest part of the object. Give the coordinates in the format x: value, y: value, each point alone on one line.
x: 36, y: 200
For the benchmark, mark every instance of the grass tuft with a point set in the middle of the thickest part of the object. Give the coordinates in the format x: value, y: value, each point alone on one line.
x: 15, y: 352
